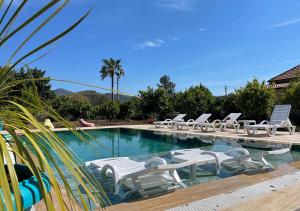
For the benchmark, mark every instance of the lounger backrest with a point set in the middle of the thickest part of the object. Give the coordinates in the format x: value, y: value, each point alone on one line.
x: 203, y: 118
x: 280, y: 115
x: 179, y: 117
x: 232, y: 117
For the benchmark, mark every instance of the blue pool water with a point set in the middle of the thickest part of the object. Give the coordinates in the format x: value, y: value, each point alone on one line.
x: 142, y: 144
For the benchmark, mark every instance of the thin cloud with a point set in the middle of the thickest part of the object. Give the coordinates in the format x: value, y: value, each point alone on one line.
x: 201, y: 29
x: 150, y: 44
x: 286, y: 23
x: 175, y: 38
x: 180, y: 5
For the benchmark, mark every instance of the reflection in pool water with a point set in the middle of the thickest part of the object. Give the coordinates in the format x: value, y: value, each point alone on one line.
x: 142, y: 144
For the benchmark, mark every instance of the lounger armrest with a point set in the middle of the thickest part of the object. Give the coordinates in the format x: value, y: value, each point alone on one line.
x: 217, y: 121
x: 265, y: 122
x: 218, y: 162
x: 191, y: 120
x: 113, y: 169
x: 168, y: 120
x: 155, y: 161
x: 279, y: 151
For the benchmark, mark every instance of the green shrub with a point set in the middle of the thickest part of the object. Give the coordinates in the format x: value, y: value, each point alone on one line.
x: 109, y: 110
x: 156, y: 103
x: 194, y: 101
x: 127, y: 110
x: 292, y: 95
x: 255, y: 100
x: 72, y: 108
x: 224, y: 105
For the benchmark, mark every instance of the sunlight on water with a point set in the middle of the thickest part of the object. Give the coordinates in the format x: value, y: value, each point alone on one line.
x: 142, y: 145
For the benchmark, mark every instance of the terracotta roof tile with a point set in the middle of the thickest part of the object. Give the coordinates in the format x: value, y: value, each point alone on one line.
x: 278, y: 86
x: 289, y: 74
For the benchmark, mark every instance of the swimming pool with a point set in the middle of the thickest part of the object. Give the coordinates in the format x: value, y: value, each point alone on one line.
x: 143, y: 144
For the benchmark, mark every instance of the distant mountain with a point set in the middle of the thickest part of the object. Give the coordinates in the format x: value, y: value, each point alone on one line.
x: 62, y: 92
x: 123, y: 98
x: 93, y: 96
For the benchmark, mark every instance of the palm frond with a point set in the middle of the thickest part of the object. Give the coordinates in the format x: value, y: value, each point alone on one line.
x: 18, y: 115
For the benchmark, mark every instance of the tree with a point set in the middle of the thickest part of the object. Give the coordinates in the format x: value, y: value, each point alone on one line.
x: 73, y: 107
x: 127, y: 110
x: 119, y: 73
x: 255, y: 100
x: 291, y: 95
x: 109, y: 110
x: 157, y: 103
x: 194, y: 101
x: 224, y: 105
x: 109, y: 68
x: 167, y: 84
x: 43, y: 87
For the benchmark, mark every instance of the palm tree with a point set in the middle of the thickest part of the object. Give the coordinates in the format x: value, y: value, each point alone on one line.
x: 109, y: 69
x: 119, y: 73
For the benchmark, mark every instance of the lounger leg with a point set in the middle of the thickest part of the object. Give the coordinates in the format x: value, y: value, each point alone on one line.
x: 214, y: 128
x: 271, y: 131
x: 248, y: 131
x: 117, y: 188
x: 136, y: 183
x: 221, y: 127
x: 193, y: 172
x: 292, y: 129
x: 176, y: 178
x: 236, y: 127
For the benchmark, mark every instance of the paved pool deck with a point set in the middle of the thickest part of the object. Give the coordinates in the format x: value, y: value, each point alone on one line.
x: 282, y: 137
x: 283, y: 199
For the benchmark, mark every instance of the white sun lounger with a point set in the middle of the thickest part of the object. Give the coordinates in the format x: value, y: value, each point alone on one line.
x: 202, y: 157
x: 279, y: 119
x: 229, y: 121
x: 156, y: 172
x: 193, y: 123
x: 170, y: 122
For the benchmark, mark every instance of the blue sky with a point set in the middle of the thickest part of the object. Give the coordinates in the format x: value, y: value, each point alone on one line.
x: 212, y: 42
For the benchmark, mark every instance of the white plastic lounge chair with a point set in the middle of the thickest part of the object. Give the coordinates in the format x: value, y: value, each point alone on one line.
x: 279, y: 119
x: 170, y: 122
x: 193, y: 123
x: 145, y: 177
x: 202, y: 157
x: 229, y: 121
